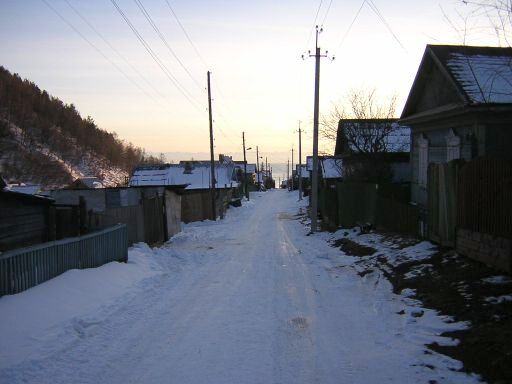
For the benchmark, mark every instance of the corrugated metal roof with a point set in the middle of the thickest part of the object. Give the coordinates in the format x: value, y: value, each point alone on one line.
x: 195, y: 177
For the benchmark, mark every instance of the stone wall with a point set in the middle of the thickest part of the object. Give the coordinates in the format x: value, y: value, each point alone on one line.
x: 491, y: 250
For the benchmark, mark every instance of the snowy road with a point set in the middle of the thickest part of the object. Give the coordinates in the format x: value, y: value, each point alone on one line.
x: 250, y: 299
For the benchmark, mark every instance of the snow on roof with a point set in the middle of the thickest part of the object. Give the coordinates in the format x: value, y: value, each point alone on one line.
x: 304, y: 169
x: 331, y: 168
x: 251, y: 168
x: 90, y: 181
x: 196, y: 177
x: 484, y: 78
x: 27, y: 189
x: 399, y: 140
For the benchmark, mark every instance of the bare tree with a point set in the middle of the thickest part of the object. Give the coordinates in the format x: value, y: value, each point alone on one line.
x: 485, y: 17
x: 362, y: 104
x: 362, y: 132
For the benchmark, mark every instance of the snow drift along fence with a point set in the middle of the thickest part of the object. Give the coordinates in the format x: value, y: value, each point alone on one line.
x: 24, y: 268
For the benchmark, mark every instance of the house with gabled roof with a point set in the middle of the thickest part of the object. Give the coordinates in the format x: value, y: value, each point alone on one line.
x: 374, y: 149
x: 459, y: 107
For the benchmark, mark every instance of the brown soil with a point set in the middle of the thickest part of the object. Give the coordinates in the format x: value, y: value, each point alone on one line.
x: 352, y: 248
x: 454, y: 286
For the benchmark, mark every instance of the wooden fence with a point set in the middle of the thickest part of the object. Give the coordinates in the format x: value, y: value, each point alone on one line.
x: 356, y: 203
x: 396, y: 216
x: 132, y: 216
x: 485, y: 197
x: 442, y: 201
x: 24, y: 268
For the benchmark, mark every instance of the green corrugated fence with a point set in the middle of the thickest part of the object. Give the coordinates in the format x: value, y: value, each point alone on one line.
x: 24, y: 268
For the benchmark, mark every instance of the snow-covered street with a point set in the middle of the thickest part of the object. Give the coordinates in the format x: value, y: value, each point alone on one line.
x: 249, y: 299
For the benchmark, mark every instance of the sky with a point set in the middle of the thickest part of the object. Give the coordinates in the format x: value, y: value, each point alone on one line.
x: 154, y: 96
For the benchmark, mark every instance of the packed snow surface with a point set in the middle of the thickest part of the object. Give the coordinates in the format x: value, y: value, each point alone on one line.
x: 249, y: 299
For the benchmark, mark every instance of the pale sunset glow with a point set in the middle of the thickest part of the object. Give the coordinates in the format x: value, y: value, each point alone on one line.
x: 85, y: 53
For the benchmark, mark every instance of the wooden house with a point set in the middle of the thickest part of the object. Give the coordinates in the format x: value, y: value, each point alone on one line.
x: 460, y: 113
x: 459, y: 107
x: 194, y: 177
x: 374, y: 150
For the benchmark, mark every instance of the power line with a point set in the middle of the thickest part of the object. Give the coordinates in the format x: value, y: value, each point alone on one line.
x: 186, y: 34
x: 217, y: 87
x: 97, y: 50
x: 164, y: 40
x: 326, y: 13
x: 114, y: 49
x: 374, y: 8
x: 155, y: 57
x: 351, y: 24
x: 314, y: 24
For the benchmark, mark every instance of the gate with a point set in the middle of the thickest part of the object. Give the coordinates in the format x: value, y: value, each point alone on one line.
x: 153, y: 208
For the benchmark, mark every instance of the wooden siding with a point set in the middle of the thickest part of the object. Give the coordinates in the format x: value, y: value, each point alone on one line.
x: 22, y: 223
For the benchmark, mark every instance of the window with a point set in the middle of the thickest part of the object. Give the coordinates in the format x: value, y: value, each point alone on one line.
x: 452, y: 146
x: 422, y: 160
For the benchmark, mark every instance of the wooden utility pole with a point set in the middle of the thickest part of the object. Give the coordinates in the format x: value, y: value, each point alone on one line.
x: 292, y: 168
x: 300, y: 164
x: 288, y: 175
x: 314, y: 179
x: 245, y: 169
x: 257, y: 168
x: 212, y: 157
x: 266, y: 169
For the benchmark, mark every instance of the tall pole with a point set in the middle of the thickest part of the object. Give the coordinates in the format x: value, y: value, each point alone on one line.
x: 266, y: 168
x: 245, y: 169
x: 257, y: 167
x: 300, y: 164
x: 292, y: 167
x: 288, y: 175
x: 314, y: 181
x: 212, y: 158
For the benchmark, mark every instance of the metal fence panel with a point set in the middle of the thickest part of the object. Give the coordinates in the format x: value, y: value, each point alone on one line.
x: 24, y: 268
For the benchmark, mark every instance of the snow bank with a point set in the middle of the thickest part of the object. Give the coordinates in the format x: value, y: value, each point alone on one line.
x: 33, y: 318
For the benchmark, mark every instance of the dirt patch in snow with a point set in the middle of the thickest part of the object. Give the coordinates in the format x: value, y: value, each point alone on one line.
x: 458, y: 287
x: 352, y: 248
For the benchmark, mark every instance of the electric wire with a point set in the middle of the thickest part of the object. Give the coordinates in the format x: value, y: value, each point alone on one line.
x: 133, y: 68
x: 186, y: 34
x: 155, y: 58
x: 326, y: 13
x: 375, y: 9
x: 314, y: 24
x: 351, y: 25
x: 99, y: 51
x: 164, y: 40
x: 217, y: 87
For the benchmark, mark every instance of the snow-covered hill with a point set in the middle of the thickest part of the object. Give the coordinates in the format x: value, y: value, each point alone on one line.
x: 23, y: 158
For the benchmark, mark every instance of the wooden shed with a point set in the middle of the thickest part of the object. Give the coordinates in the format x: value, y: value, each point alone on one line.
x: 25, y: 220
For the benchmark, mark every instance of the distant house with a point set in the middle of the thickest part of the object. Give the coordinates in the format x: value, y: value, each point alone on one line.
x: 86, y: 182
x: 371, y: 147
x: 195, y: 177
x: 330, y: 169
x: 31, y: 189
x: 192, y: 174
x: 459, y: 107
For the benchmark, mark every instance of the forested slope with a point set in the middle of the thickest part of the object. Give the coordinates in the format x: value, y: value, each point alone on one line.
x: 45, y: 141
